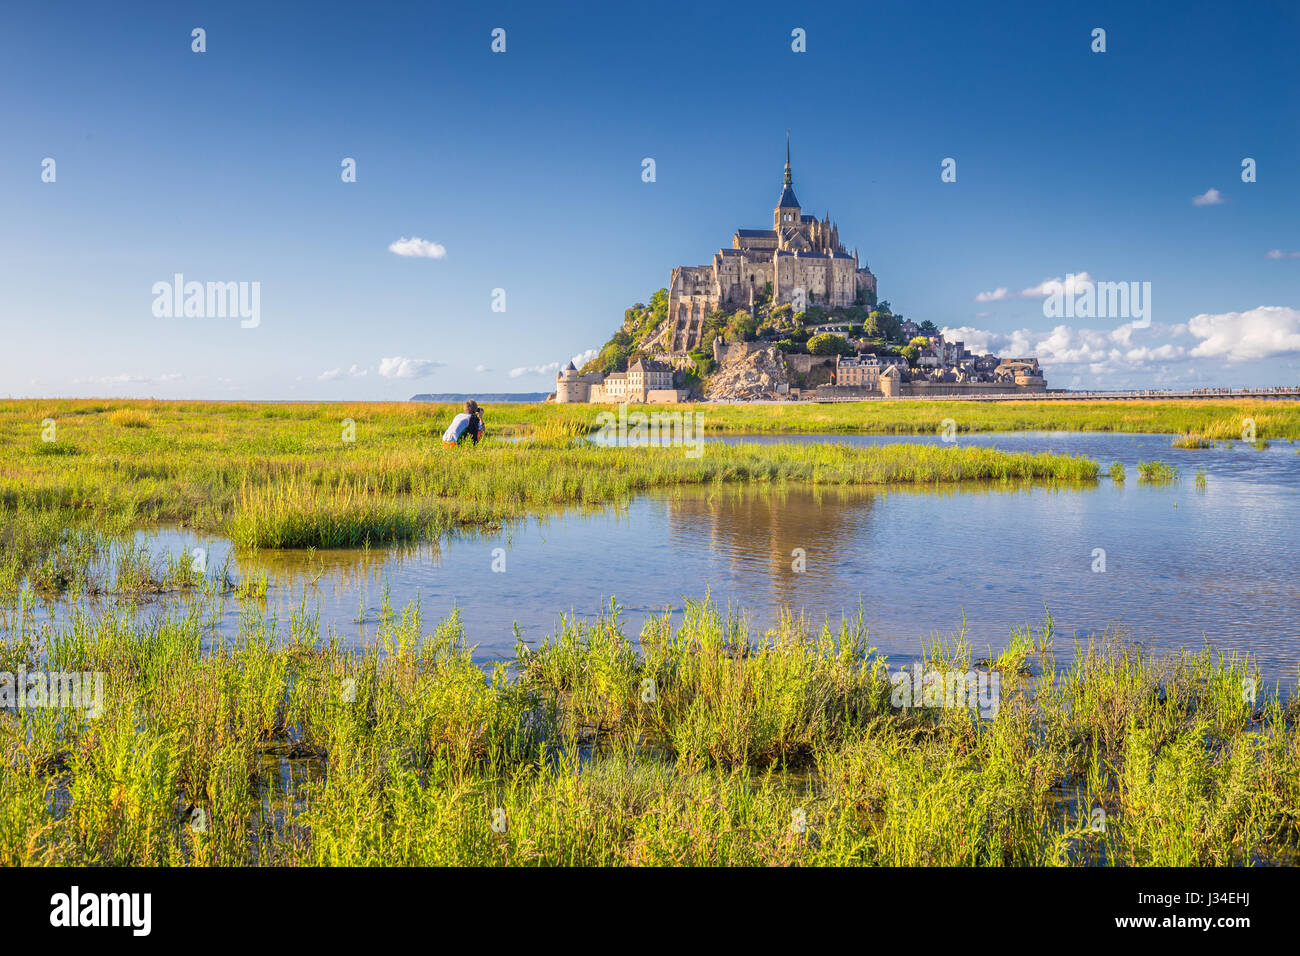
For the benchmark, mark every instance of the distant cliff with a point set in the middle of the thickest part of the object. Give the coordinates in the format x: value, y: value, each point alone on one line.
x: 481, y: 397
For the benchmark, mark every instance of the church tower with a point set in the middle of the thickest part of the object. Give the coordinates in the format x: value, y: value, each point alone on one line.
x: 786, y: 215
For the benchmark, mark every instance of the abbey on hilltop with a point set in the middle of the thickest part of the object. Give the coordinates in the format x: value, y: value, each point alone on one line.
x: 800, y: 258
x: 785, y: 314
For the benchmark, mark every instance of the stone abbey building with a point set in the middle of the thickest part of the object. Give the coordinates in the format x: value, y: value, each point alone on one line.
x: 801, y: 257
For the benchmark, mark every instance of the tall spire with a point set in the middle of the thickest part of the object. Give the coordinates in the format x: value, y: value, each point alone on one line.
x: 790, y: 218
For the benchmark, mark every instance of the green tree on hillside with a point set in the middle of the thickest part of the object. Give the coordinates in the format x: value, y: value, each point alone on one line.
x: 659, y: 304
x: 741, y: 327
x: 886, y: 323
x: 814, y: 315
x: 828, y: 343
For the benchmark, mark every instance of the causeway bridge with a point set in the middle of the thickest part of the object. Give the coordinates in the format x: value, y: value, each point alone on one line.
x: 1066, y: 395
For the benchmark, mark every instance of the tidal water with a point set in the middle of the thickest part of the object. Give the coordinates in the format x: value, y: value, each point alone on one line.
x: 1184, y: 564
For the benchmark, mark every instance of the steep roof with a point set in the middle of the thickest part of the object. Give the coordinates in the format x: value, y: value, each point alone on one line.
x: 651, y: 365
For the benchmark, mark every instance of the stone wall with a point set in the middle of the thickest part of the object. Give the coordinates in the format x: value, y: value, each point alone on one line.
x: 845, y: 393
x: 803, y: 364
x: 924, y: 389
x: 722, y: 354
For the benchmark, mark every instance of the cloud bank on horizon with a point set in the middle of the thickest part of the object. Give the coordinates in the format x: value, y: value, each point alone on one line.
x: 396, y: 367
x: 1164, y: 353
x: 550, y: 368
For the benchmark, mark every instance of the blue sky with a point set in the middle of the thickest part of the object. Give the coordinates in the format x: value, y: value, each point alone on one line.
x: 525, y: 168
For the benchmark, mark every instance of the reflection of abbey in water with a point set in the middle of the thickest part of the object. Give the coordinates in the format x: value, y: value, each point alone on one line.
x: 765, y: 525
x: 801, y: 257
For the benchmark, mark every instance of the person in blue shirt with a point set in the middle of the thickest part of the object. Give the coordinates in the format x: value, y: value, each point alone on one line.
x: 467, y: 424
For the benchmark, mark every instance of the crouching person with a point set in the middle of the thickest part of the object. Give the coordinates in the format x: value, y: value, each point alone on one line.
x: 468, y: 424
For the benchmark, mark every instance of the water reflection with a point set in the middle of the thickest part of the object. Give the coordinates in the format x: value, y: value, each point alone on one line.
x: 771, y: 535
x: 1184, y: 564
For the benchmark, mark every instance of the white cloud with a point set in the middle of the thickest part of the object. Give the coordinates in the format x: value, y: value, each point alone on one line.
x: 389, y: 368
x: 127, y: 379
x: 481, y: 368
x: 550, y: 368
x: 417, y: 248
x: 1099, y: 351
x: 977, y: 340
x: 1260, y: 333
x: 1072, y: 284
x: 1279, y: 254
x: 1211, y: 197
x: 1160, y: 353
x: 398, y: 367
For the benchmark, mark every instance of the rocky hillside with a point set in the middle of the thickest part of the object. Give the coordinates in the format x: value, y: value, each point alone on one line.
x: 645, y: 333
x: 756, y: 376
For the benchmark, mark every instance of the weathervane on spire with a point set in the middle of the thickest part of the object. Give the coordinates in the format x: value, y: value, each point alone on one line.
x: 787, y: 157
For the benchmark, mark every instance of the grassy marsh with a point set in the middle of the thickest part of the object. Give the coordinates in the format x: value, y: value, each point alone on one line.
x: 704, y: 744
x: 1217, y: 419
x: 279, y: 476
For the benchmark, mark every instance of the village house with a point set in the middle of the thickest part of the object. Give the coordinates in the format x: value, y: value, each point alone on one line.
x: 645, y: 375
x: 858, y: 371
x: 864, y: 371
